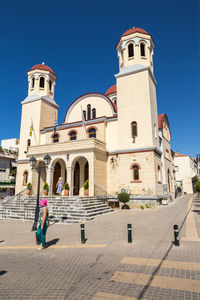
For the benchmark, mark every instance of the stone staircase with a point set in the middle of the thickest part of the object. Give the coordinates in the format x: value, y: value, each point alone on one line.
x: 61, y: 209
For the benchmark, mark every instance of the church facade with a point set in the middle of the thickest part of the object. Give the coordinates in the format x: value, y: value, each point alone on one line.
x: 116, y: 140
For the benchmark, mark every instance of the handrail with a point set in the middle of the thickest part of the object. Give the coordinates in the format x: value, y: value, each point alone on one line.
x: 99, y: 192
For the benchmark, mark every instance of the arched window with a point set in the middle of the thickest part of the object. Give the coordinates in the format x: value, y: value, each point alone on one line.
x: 135, y: 172
x: 130, y: 50
x: 25, y: 177
x: 84, y: 114
x: 159, y: 175
x: 33, y: 83
x: 89, y: 111
x: 92, y: 133
x: 55, y: 138
x: 72, y: 135
x: 142, y: 49
x: 134, y: 129
x: 41, y: 82
x: 115, y: 101
x: 94, y: 113
x: 50, y: 85
x: 28, y: 144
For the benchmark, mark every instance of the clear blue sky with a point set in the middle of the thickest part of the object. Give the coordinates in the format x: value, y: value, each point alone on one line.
x: 77, y: 40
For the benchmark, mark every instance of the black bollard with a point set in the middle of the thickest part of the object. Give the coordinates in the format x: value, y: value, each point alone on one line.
x: 176, y: 239
x: 82, y: 234
x: 129, y: 226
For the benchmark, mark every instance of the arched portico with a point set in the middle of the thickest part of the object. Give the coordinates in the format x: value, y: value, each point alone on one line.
x: 58, y: 169
x: 80, y: 174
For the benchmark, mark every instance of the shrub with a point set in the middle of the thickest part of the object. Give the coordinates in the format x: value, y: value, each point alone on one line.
x: 66, y: 186
x: 86, y: 185
x: 148, y: 205
x: 197, y: 186
x: 29, y: 186
x: 123, y: 197
x: 46, y: 186
x: 142, y: 207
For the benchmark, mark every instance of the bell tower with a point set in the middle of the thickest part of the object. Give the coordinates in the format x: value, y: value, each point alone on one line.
x: 136, y: 91
x: 39, y: 108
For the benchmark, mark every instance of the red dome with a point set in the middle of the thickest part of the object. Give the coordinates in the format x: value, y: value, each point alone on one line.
x: 134, y: 30
x: 42, y: 67
x: 111, y: 90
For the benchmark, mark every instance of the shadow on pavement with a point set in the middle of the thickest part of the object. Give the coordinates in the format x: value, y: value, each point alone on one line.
x: 51, y: 243
x: 141, y: 295
x: 2, y: 272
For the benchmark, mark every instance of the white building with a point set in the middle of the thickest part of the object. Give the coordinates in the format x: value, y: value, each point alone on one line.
x: 186, y: 172
x: 116, y: 139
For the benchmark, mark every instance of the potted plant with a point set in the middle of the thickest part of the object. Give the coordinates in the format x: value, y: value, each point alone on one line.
x: 46, y: 189
x: 165, y: 201
x: 66, y: 189
x: 86, y: 187
x: 124, y: 197
x: 28, y: 189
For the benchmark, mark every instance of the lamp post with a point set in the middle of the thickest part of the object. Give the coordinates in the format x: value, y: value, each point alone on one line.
x: 32, y: 161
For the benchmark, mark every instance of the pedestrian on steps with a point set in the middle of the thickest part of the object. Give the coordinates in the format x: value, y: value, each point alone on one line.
x: 43, y: 223
x: 59, y: 186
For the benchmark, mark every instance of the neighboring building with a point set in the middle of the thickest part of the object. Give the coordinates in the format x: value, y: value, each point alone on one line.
x: 8, y: 156
x: 186, y: 172
x: 116, y: 140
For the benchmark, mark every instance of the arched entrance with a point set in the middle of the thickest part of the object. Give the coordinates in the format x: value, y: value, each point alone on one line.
x: 59, y: 170
x: 80, y: 175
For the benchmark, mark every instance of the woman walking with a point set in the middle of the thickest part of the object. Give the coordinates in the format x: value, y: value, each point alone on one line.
x: 43, y: 223
x: 59, y: 186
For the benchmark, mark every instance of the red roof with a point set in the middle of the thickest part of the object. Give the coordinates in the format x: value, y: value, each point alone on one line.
x: 42, y: 67
x: 111, y: 90
x: 160, y: 121
x: 177, y: 154
x: 134, y: 30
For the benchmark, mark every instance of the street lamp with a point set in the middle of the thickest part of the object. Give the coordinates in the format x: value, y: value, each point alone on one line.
x: 33, y: 161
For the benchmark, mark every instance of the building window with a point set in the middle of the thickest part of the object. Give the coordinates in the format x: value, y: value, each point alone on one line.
x: 142, y: 49
x: 84, y: 114
x: 176, y: 168
x: 94, y: 113
x: 130, y: 50
x: 135, y: 172
x: 115, y: 101
x: 55, y: 138
x: 50, y: 85
x: 89, y: 111
x: 25, y: 178
x: 72, y: 135
x: 92, y: 133
x: 41, y: 82
x: 134, y: 129
x: 28, y: 144
x: 33, y: 83
x: 159, y: 174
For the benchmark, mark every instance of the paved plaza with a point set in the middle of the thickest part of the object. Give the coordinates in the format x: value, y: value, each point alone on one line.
x: 106, y: 266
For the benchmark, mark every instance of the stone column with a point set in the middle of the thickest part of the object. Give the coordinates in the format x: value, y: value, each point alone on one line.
x: 82, y: 179
x: 91, y: 178
x: 49, y: 178
x: 70, y: 179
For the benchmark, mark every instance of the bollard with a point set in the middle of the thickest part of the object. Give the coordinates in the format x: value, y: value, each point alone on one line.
x: 176, y: 239
x: 129, y: 226
x: 82, y: 234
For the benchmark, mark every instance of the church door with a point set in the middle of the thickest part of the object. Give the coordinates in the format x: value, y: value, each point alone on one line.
x: 76, y: 179
x: 56, y: 175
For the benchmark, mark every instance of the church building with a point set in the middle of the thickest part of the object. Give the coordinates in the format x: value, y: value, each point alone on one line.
x: 116, y: 140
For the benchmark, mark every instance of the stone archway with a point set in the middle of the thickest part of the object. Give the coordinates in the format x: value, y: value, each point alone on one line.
x: 80, y: 168
x: 58, y: 170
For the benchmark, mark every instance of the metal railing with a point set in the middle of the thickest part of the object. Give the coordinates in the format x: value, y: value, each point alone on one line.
x: 101, y: 194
